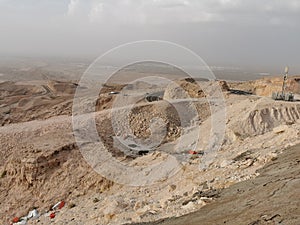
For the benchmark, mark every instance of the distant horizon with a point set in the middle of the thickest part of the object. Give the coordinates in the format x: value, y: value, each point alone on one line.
x: 79, y: 65
x: 256, y: 35
x: 259, y: 69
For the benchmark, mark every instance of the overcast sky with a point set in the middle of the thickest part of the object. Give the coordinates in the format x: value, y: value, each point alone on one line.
x: 255, y: 33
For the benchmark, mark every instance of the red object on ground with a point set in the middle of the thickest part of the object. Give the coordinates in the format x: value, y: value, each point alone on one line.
x: 61, y: 205
x: 52, y: 215
x: 193, y: 152
x: 15, y: 220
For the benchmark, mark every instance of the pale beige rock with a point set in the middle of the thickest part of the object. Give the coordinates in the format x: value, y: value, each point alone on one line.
x: 280, y: 129
x: 43, y: 164
x: 190, y: 206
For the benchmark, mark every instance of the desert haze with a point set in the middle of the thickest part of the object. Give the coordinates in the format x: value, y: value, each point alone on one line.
x: 171, y: 112
x: 255, y: 173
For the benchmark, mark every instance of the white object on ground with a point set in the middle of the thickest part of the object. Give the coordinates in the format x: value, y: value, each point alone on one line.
x: 22, y: 222
x: 56, y: 205
x: 34, y: 214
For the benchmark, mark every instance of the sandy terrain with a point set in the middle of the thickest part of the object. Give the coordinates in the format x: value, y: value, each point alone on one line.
x: 40, y: 161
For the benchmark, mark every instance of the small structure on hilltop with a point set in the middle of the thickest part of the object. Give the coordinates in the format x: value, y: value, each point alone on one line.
x: 283, y: 95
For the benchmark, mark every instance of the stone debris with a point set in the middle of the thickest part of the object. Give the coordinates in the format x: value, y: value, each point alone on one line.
x: 280, y: 129
x: 44, y: 152
x: 35, y: 215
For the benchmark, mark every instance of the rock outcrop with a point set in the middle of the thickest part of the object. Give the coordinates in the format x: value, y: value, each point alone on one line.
x: 262, y: 120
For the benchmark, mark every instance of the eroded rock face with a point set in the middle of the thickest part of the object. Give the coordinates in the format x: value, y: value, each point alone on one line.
x: 188, y: 88
x: 106, y: 99
x: 33, y: 177
x: 268, y: 199
x: 141, y: 118
x: 189, y: 96
x: 60, y: 87
x: 268, y: 85
x: 260, y: 121
x: 158, y: 122
x: 40, y: 163
x: 21, y: 101
x: 183, y: 89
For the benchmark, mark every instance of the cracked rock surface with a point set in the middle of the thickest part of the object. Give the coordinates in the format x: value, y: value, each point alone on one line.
x: 271, y: 198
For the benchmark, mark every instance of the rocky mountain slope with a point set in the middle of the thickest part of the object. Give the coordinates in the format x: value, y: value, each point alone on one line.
x: 270, y: 198
x: 40, y: 162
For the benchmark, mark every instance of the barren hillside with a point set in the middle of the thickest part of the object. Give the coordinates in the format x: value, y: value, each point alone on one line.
x: 41, y: 164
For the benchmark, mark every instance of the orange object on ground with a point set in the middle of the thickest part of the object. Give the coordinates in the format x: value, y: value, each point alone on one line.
x: 193, y: 152
x: 52, y: 215
x: 61, y: 205
x: 16, y: 219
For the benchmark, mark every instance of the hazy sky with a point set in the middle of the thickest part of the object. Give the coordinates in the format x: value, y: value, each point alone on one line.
x: 256, y: 33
